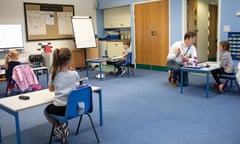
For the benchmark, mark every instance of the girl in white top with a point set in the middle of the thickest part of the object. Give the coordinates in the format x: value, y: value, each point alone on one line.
x: 226, y: 64
x: 62, y: 82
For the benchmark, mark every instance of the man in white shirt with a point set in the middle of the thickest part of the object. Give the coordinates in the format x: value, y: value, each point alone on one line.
x: 179, y: 53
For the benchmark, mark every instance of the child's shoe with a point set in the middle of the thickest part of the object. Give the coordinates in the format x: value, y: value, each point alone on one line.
x: 215, y: 85
x: 65, y: 134
x: 58, y: 131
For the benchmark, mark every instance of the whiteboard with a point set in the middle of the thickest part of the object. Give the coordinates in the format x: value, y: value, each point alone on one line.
x: 11, y: 36
x: 83, y: 32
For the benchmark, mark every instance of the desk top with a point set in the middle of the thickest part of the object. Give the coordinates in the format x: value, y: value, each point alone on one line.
x: 2, y: 72
x: 97, y: 60
x: 37, y: 98
x: 205, y: 66
x: 40, y: 68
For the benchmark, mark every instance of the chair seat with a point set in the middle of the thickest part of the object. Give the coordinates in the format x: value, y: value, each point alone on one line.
x: 228, y: 76
x: 231, y: 78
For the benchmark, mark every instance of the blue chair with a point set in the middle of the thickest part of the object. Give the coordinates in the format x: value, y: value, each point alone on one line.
x: 23, y: 77
x: 128, y: 65
x: 79, y: 103
x: 231, y: 77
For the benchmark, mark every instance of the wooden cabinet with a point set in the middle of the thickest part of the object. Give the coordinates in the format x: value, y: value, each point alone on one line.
x: 78, y: 56
x: 117, y: 17
x: 114, y: 48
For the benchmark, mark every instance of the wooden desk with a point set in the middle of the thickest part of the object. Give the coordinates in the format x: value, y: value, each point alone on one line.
x: 13, y: 105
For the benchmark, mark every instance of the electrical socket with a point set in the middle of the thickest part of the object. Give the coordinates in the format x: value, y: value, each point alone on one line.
x: 238, y: 14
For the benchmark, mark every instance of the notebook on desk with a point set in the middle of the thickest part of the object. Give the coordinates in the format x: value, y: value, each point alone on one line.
x: 194, y: 67
x: 115, y: 58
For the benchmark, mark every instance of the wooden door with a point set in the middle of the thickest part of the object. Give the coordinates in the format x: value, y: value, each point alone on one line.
x: 151, y: 33
x: 192, y: 15
x: 142, y: 33
x: 159, y: 33
x: 212, y: 37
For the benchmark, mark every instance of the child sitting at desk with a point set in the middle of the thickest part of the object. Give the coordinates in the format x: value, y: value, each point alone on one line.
x: 226, y: 64
x: 11, y: 60
x: 127, y: 49
x: 62, y: 82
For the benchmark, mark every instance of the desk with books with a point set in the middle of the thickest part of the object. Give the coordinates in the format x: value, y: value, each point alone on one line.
x: 203, y: 68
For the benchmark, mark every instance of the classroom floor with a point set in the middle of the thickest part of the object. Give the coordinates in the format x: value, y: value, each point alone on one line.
x: 142, y: 109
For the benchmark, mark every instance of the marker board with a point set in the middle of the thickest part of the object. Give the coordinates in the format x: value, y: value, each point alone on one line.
x: 11, y: 36
x: 83, y: 32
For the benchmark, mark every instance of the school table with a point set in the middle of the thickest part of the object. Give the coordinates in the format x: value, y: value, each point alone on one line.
x: 13, y: 105
x: 37, y: 69
x: 203, y: 68
x: 96, y: 60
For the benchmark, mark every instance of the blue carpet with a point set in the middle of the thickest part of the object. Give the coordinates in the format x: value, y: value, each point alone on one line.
x: 143, y: 109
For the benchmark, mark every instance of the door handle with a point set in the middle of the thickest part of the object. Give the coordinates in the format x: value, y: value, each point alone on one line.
x: 153, y: 33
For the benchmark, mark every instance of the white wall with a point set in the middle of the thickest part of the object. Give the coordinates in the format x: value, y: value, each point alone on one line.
x: 12, y: 12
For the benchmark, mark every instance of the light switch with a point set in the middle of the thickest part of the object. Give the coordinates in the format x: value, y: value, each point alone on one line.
x: 226, y: 28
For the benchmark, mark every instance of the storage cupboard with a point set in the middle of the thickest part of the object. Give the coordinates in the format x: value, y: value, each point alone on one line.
x: 114, y: 48
x: 118, y: 17
x: 79, y: 55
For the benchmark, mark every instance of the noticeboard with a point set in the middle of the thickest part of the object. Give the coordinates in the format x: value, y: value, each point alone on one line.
x: 48, y: 21
x: 234, y: 44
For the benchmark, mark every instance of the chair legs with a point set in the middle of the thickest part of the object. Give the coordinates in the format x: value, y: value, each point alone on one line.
x: 93, y: 127
x: 80, y: 120
x: 129, y: 68
x: 231, y: 83
x: 50, y: 139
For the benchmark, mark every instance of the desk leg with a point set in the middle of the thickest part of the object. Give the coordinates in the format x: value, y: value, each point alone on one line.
x: 19, y: 141
x: 100, y: 70
x: 37, y: 75
x: 181, y: 83
x: 100, y: 107
x: 87, y: 67
x: 0, y: 135
x: 47, y: 76
x: 207, y: 85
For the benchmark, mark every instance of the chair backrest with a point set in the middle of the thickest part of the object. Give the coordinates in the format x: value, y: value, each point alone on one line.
x: 128, y: 59
x: 79, y: 102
